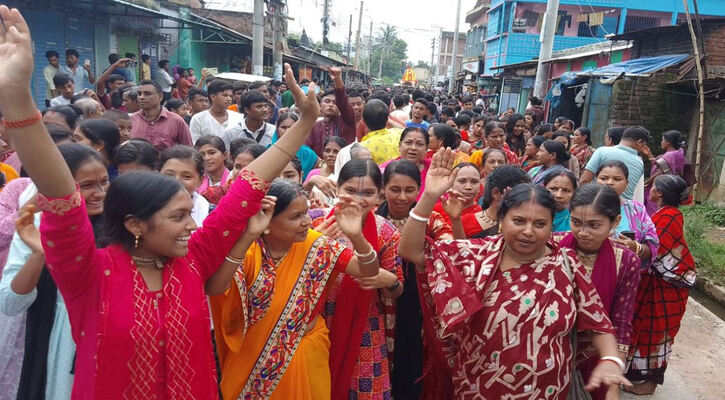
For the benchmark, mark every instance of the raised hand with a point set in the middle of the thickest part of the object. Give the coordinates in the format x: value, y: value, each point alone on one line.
x: 28, y: 232
x: 453, y: 204
x: 441, y: 175
x: 306, y: 103
x: 326, y: 185
x: 349, y: 216
x: 16, y: 57
x: 260, y: 221
x: 329, y: 227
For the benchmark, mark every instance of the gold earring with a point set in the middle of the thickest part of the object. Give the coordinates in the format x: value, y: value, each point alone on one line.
x: 136, y: 241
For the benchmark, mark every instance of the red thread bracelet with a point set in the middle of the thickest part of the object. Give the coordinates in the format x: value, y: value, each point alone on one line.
x: 37, y: 117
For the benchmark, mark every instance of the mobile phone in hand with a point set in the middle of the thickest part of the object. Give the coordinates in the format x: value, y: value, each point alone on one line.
x: 87, y: 62
x: 628, y: 234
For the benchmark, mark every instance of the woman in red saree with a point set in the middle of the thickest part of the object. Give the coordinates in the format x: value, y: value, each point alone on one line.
x: 663, y: 289
x: 612, y: 267
x: 508, y: 303
x: 361, y: 313
x: 272, y: 340
x: 467, y: 186
x: 137, y: 308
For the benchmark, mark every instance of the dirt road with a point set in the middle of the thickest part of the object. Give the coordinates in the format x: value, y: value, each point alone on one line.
x: 697, y: 367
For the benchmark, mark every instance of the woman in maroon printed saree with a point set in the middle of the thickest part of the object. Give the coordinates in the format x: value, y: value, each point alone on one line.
x: 508, y: 303
x: 663, y: 289
x: 612, y: 267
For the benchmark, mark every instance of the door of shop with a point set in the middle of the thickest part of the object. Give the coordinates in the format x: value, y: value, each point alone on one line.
x: 129, y: 44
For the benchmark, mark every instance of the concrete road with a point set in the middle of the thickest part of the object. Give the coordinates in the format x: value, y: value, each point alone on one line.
x: 696, y: 369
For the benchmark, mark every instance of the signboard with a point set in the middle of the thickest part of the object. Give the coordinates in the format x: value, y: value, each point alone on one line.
x: 471, y: 66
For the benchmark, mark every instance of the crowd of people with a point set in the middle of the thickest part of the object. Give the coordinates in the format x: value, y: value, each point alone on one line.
x: 288, y: 241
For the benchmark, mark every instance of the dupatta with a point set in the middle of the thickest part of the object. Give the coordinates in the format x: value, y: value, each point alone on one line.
x: 604, y: 273
x: 349, y: 320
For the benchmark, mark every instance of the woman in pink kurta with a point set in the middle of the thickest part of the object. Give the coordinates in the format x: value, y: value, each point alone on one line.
x: 134, y: 343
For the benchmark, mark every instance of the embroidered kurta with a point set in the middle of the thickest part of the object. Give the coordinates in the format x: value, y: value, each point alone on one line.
x: 272, y: 342
x: 661, y: 299
x: 371, y: 374
x: 508, y: 331
x: 132, y: 343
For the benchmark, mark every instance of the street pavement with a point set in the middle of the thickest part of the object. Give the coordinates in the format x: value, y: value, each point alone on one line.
x: 695, y: 370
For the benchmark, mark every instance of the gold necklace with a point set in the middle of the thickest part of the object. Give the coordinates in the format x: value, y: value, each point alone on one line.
x: 156, y: 262
x: 398, y: 222
x: 520, y: 260
x: 486, y: 220
x: 587, y: 260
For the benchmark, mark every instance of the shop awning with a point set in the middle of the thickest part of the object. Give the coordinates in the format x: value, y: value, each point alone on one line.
x: 637, y: 67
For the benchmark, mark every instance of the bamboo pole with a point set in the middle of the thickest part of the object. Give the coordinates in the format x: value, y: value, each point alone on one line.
x: 701, y: 97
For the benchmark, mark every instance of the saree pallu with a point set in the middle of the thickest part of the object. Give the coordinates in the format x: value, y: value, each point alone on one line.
x: 641, y: 224
x: 582, y: 154
x: 661, y: 299
x: 271, y: 340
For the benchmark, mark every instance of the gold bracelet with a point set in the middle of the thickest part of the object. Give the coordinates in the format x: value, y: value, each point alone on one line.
x: 234, y: 260
x: 283, y: 151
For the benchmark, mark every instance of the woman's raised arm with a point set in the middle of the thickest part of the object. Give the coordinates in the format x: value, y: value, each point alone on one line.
x: 40, y: 157
x: 269, y: 165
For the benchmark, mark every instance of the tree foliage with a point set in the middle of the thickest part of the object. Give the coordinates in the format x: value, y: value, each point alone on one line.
x: 392, y: 50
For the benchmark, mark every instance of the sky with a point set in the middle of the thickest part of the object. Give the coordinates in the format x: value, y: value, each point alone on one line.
x: 417, y: 21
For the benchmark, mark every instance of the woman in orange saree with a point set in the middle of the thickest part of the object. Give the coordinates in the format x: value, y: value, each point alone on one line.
x: 272, y: 342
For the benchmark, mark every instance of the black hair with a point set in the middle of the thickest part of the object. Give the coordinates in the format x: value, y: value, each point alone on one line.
x: 69, y: 114
x: 296, y: 164
x: 286, y: 191
x: 560, y: 120
x: 516, y: 143
x: 563, y: 134
x: 51, y: 53
x: 237, y: 144
x: 491, y: 126
x: 603, y: 198
x: 586, y: 132
x: 673, y: 189
x: 218, y: 86
x: 375, y: 114
x: 212, y: 140
x: 116, y: 97
x: 139, y: 194
x: 115, y: 115
x: 614, y: 164
x: 72, y: 52
x: 139, y: 151
x: 422, y: 101
x: 674, y: 138
x: 152, y: 83
x: 562, y: 156
x: 59, y: 133
x: 102, y: 130
x: 565, y: 173
x: 403, y: 167
x: 335, y: 139
x: 289, y: 115
x: 400, y: 100
x: 256, y: 85
x: 501, y: 178
x: 525, y: 192
x: 463, y: 119
x: 132, y: 92
x: 353, y: 93
x: 543, y: 128
x: 130, y: 55
x: 239, y: 85
x: 467, y: 99
x: 193, y: 92
x: 255, y: 150
x: 252, y: 97
x: 535, y: 101
x: 76, y: 155
x: 62, y: 79
x: 163, y: 63
x: 444, y: 133
x: 145, y: 57
x: 538, y: 140
x: 423, y: 132
x: 174, y: 104
x: 184, y: 153
x: 490, y: 151
x: 615, y: 134
x: 359, y: 168
x: 636, y: 133
x: 432, y: 109
x: 113, y: 57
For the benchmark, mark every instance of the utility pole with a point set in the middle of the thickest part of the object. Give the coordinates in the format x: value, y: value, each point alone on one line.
x: 370, y: 49
x: 258, y: 38
x: 700, y: 96
x: 432, y: 60
x: 547, y: 46
x: 455, y: 48
x: 278, y: 15
x: 382, y: 55
x: 325, y: 23
x: 349, y: 44
x: 357, y: 36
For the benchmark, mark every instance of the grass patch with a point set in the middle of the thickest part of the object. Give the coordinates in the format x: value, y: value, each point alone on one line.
x: 707, y: 249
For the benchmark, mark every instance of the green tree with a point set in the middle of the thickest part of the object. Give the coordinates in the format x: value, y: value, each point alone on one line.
x: 392, y: 50
x: 423, y: 64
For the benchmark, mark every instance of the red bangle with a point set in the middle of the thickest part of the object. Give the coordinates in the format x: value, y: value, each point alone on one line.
x: 37, y: 117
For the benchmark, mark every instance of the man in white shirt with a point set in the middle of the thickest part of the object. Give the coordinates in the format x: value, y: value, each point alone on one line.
x: 65, y: 85
x: 164, y: 79
x: 218, y: 118
x: 254, y: 125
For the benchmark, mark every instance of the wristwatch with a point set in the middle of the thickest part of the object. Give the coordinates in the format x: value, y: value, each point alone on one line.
x: 395, y: 286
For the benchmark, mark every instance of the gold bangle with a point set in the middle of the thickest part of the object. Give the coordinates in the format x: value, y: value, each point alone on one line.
x: 234, y: 260
x: 283, y: 150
